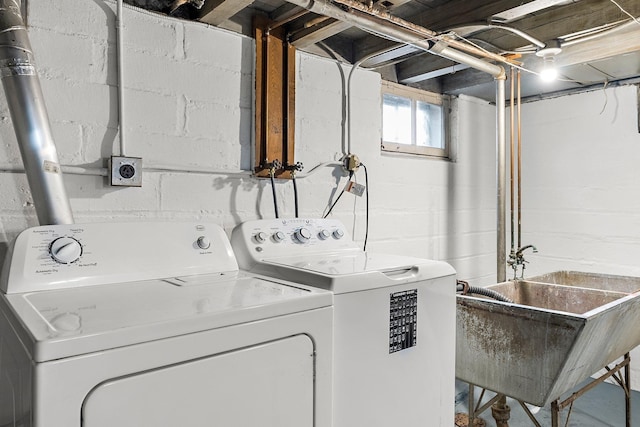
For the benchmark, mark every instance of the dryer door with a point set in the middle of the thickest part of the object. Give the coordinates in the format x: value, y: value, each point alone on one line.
x: 267, y: 385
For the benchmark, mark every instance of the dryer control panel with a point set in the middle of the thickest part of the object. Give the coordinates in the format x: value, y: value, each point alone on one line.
x: 75, y: 255
x: 272, y: 238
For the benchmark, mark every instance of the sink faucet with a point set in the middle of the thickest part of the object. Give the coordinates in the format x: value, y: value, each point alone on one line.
x: 517, y: 258
x: 520, y: 251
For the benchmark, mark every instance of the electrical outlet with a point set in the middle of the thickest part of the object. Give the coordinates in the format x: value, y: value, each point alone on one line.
x: 126, y: 171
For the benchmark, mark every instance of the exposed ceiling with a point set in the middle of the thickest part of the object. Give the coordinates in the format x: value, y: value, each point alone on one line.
x: 599, y: 39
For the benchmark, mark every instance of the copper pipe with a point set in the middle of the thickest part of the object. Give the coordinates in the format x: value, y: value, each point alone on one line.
x: 512, y: 146
x: 286, y: 20
x: 519, y: 163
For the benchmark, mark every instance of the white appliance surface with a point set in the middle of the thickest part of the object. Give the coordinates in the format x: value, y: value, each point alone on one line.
x: 394, y: 319
x: 158, y: 312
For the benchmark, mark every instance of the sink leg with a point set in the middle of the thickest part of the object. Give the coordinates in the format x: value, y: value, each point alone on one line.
x: 472, y: 404
x: 555, y: 413
x: 627, y: 390
x: 501, y: 412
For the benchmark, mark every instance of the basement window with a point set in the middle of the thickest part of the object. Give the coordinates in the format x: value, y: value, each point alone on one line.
x: 414, y: 121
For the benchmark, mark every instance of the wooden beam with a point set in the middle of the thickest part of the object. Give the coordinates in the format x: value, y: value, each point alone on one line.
x: 275, y: 100
x: 215, y: 12
x: 413, y: 68
x: 312, y: 35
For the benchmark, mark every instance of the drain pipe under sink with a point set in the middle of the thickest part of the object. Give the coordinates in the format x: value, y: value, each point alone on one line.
x: 30, y: 120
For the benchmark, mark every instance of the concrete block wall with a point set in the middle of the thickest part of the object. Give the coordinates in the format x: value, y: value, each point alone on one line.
x: 189, y: 111
x: 579, y: 182
x: 580, y: 185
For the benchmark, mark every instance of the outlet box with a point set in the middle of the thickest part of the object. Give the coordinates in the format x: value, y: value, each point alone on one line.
x: 125, y: 171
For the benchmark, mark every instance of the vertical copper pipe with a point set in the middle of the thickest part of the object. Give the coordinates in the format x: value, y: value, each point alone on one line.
x: 512, y: 147
x: 519, y: 164
x: 501, y: 178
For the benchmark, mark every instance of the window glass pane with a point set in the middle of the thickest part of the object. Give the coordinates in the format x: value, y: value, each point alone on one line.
x: 396, y: 114
x: 429, y: 125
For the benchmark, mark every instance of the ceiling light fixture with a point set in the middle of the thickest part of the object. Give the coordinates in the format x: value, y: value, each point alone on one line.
x: 548, y: 53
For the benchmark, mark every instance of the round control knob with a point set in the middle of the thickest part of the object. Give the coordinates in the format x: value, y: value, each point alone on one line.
x: 203, y: 242
x: 65, y: 250
x: 324, y: 235
x: 278, y: 236
x: 303, y: 235
x: 338, y: 234
x: 261, y: 237
x: 67, y: 322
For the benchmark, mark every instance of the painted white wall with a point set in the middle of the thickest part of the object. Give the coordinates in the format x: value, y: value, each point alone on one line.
x: 189, y: 100
x: 580, y: 185
x: 579, y: 181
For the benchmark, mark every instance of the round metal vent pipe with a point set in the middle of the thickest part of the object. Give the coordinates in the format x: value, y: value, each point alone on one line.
x: 30, y: 120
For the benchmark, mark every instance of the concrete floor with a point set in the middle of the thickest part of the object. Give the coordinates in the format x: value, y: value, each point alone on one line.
x: 601, y: 407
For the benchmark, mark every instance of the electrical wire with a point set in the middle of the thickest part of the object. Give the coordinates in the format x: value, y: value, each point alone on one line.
x: 273, y: 190
x: 366, y: 189
x: 625, y: 12
x: 338, y: 198
x: 295, y: 193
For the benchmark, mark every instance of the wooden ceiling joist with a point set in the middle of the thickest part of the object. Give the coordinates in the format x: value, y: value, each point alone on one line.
x: 215, y: 12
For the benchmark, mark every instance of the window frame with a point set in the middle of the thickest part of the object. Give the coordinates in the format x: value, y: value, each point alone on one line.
x: 416, y: 95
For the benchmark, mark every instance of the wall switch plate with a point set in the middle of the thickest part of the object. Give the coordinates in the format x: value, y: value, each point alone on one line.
x: 125, y: 171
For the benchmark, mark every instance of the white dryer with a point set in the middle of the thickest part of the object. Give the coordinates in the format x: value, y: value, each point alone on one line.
x: 394, y: 319
x: 152, y: 324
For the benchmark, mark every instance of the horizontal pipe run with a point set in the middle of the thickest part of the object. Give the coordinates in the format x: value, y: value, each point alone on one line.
x: 402, y: 31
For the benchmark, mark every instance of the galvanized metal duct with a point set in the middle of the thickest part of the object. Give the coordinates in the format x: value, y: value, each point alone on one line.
x: 30, y: 120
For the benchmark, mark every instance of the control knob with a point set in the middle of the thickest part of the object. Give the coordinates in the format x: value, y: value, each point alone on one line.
x: 203, y: 242
x: 338, y: 234
x: 65, y: 250
x: 260, y: 237
x: 324, y: 235
x: 278, y: 236
x: 303, y: 235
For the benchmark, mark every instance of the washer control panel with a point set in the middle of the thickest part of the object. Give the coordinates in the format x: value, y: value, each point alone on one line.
x: 271, y: 238
x: 63, y: 256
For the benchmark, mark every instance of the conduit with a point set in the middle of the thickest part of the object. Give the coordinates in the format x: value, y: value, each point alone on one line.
x: 120, y: 66
x: 30, y: 120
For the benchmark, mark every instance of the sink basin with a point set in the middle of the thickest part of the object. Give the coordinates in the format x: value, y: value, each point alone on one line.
x: 591, y: 280
x: 549, y: 296
x: 551, y: 338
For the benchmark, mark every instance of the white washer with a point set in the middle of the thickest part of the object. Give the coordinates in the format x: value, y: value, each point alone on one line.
x: 394, y: 319
x: 152, y: 324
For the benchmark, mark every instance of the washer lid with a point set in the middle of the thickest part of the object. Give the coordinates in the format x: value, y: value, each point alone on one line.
x: 351, y: 272
x: 67, y: 322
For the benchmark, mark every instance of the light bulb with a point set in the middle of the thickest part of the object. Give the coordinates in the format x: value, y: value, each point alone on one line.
x: 549, y: 72
x: 548, y: 53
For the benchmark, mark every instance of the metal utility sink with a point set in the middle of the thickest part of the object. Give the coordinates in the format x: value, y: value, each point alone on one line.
x: 561, y: 328
x: 605, y: 282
